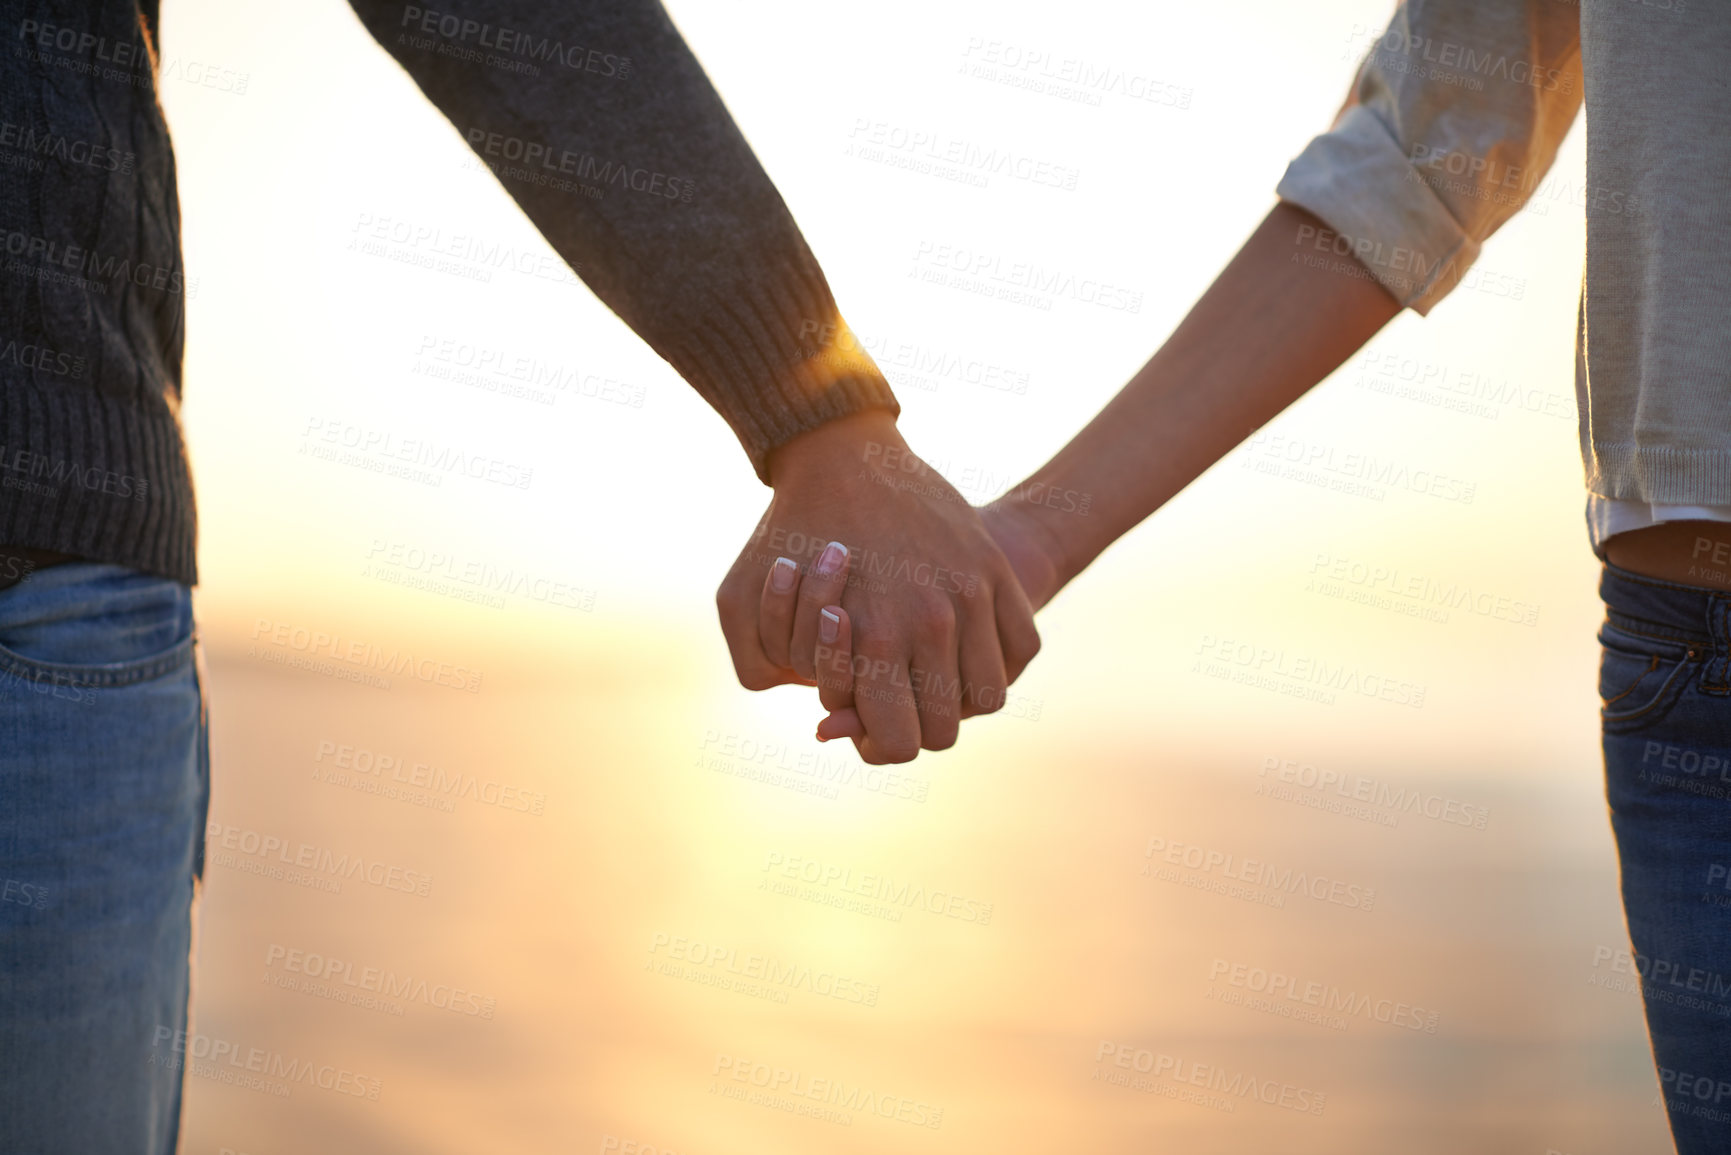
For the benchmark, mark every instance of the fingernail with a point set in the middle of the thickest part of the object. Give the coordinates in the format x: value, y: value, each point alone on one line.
x: 781, y: 574
x: 833, y: 555
x: 828, y: 627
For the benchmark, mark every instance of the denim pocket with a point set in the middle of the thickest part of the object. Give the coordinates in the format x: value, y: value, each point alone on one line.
x: 79, y: 627
x: 1641, y: 678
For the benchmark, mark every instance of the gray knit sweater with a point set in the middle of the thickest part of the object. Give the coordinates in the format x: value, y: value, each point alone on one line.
x: 688, y: 241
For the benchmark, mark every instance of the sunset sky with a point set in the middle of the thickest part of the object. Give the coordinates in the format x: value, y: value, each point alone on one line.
x: 314, y: 202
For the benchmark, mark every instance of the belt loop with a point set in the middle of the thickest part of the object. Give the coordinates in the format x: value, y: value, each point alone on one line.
x: 1716, y: 674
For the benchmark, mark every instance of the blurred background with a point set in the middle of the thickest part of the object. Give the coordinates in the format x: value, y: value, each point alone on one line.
x: 613, y: 902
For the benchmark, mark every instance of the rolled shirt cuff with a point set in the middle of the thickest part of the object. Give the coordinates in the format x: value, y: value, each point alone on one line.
x: 1358, y: 182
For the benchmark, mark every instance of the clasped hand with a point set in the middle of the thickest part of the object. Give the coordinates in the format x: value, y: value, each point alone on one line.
x: 872, y: 579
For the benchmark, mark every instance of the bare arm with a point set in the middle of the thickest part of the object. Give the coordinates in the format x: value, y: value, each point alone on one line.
x: 1280, y: 317
x: 1271, y: 326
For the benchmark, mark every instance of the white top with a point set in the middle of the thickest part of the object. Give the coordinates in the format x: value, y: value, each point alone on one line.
x: 1607, y: 517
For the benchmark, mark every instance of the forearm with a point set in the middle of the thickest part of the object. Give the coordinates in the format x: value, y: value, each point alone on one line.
x: 1270, y: 327
x: 598, y: 120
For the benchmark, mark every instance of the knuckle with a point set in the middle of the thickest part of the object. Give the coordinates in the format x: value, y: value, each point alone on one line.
x: 878, y: 650
x: 934, y: 615
x: 942, y: 739
x: 990, y: 699
x: 757, y: 674
x: 898, y: 750
x: 1027, y: 648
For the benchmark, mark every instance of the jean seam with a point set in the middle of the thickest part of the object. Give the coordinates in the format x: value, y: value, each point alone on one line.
x: 1659, y: 696
x: 97, y: 676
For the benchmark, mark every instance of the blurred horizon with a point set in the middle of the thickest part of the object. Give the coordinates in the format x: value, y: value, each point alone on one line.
x: 617, y: 837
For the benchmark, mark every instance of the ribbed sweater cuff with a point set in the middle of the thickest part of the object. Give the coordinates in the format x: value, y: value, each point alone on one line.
x: 85, y: 474
x: 775, y: 359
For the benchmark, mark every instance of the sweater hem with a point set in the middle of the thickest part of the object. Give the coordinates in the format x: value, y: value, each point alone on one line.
x: 85, y: 474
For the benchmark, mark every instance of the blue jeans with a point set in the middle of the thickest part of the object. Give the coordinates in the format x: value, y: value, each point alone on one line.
x: 104, y: 783
x: 1665, y: 679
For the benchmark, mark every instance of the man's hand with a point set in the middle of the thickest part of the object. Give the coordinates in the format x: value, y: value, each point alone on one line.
x: 1035, y: 553
x: 938, y: 624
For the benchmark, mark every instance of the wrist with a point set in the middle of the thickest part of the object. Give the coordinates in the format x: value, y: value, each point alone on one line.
x: 1053, y: 522
x: 1036, y: 544
x: 841, y: 443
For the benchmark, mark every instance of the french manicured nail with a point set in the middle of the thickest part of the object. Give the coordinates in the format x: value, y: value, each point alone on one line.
x: 834, y: 554
x: 782, y: 575
x: 828, y: 627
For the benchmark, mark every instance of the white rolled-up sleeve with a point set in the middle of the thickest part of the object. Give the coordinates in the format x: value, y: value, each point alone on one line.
x: 1454, y: 118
